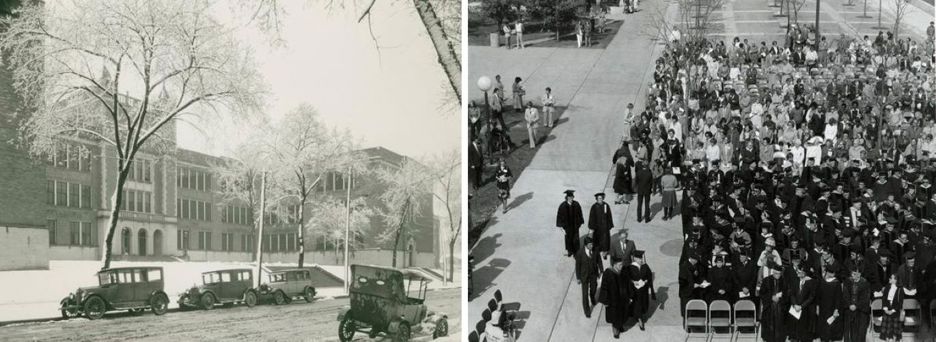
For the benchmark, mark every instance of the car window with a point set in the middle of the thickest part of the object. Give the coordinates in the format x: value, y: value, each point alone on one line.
x: 107, y: 278
x: 140, y: 276
x: 124, y: 277
x: 226, y: 277
x: 154, y: 275
x: 245, y: 276
x: 278, y: 277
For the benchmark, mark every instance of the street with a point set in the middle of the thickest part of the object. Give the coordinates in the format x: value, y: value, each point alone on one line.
x: 298, y: 321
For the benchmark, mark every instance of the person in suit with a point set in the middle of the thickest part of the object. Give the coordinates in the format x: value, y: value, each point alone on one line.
x: 600, y: 223
x: 587, y: 269
x: 569, y: 219
x: 644, y: 180
x: 475, y: 164
x: 641, y: 278
x: 891, y: 324
x: 623, y: 247
x: 856, y: 305
x: 615, y: 296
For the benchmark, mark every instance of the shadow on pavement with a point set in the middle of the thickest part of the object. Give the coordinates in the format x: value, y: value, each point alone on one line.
x: 485, y: 248
x: 662, y: 295
x: 520, y: 200
x: 483, y: 277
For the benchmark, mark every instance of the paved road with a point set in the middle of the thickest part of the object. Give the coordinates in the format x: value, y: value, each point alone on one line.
x: 298, y: 321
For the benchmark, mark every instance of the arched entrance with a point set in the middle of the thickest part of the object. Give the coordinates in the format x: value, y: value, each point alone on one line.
x: 125, y: 241
x: 142, y: 239
x: 157, y: 242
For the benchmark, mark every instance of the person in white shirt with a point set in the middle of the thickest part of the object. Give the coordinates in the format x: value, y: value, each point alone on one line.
x: 507, y: 36
x: 549, y: 107
x: 712, y: 152
x: 798, y: 152
x: 518, y: 28
x: 532, y: 120
x: 831, y: 130
x: 814, y: 150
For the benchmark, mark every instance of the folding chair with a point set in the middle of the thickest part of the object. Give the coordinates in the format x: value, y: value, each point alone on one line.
x: 473, y: 337
x: 696, y: 317
x: 498, y: 296
x: 932, y: 311
x: 719, y: 318
x: 911, y: 317
x: 744, y: 316
x: 492, y: 305
x: 877, y: 314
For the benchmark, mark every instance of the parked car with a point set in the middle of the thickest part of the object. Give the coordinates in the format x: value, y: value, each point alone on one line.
x: 224, y: 287
x: 283, y: 286
x: 380, y: 304
x: 126, y: 288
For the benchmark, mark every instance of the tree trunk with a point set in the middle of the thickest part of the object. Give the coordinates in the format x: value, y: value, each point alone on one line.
x: 451, y: 261
x: 114, y: 216
x: 301, y: 237
x: 448, y: 59
x: 399, y: 232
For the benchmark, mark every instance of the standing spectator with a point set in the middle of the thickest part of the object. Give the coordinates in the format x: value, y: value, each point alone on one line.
x: 518, y: 93
x: 506, y: 29
x: 579, y: 33
x: 503, y: 177
x: 587, y: 32
x: 569, y: 218
x: 518, y: 28
x: 475, y: 164
x: 587, y: 268
x: 644, y: 187
x: 623, y: 181
x: 549, y: 107
x: 892, y: 324
x: 497, y: 107
x: 532, y: 120
x: 669, y: 183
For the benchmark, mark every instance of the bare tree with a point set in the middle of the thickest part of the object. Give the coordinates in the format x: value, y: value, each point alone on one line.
x: 406, y: 186
x: 303, y: 151
x: 331, y: 220
x: 446, y: 180
x: 119, y: 72
x: 685, y: 26
x: 900, y: 11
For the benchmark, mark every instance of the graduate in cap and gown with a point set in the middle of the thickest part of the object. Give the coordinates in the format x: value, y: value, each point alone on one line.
x: 774, y: 305
x: 641, y: 278
x: 909, y: 275
x: 600, y: 223
x: 615, y: 295
x: 745, y: 276
x: 569, y: 219
x: 831, y: 306
x: 691, y: 279
x: 856, y: 306
x: 722, y: 280
x: 802, y: 294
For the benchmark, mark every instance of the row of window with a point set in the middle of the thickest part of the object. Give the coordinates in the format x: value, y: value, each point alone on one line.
x: 137, y: 201
x: 282, y: 242
x: 141, y: 170
x: 193, y: 210
x: 193, y: 179
x: 68, y: 194
x: 79, y: 234
x: 236, y: 215
x: 71, y: 156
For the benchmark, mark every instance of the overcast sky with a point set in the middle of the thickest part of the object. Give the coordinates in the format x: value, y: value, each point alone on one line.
x: 395, y: 98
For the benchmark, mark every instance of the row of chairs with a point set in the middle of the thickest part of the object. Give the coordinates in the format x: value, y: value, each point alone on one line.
x: 720, y: 320
x: 480, y: 327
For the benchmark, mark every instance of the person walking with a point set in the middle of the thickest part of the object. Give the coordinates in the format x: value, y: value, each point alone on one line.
x: 475, y: 164
x: 518, y: 29
x: 644, y: 186
x: 569, y: 218
x: 587, y: 269
x: 503, y: 177
x: 669, y: 184
x: 532, y: 120
x: 518, y: 93
x: 623, y: 180
x: 623, y: 247
x: 614, y: 294
x: 600, y: 223
x: 641, y: 278
x: 549, y: 107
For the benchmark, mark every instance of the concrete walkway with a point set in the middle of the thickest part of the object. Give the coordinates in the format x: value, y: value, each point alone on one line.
x: 521, y: 252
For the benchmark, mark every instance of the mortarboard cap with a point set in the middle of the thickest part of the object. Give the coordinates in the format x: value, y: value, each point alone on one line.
x: 638, y: 254
x: 774, y: 266
x: 586, y: 240
x: 600, y: 194
x: 909, y: 255
x: 616, y: 259
x: 569, y: 193
x: 884, y: 253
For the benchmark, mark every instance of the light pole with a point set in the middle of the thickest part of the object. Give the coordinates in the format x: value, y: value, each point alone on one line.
x: 818, y: 3
x: 347, y: 235
x: 260, y: 232
x: 865, y: 15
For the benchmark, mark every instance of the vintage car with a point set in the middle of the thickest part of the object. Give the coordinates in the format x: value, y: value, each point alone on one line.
x: 285, y: 285
x: 224, y: 287
x: 126, y: 288
x: 381, y: 304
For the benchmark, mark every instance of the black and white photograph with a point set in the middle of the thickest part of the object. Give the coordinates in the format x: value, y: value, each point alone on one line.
x: 670, y: 170
x: 214, y: 170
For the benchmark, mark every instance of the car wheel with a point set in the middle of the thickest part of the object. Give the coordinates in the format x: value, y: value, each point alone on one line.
x: 250, y: 299
x: 69, y: 313
x: 346, y: 329
x: 207, y: 301
x: 159, y: 304
x: 279, y: 297
x: 441, y: 329
x: 94, y: 308
x: 403, y: 333
x: 309, y: 294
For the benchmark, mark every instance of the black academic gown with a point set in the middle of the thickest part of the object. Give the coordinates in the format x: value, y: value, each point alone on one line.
x: 856, y: 322
x: 773, y: 314
x: 721, y: 279
x: 803, y: 329
x: 745, y: 275
x: 614, y: 294
x: 640, y: 297
x: 569, y: 218
x: 600, y: 222
x: 830, y: 299
x: 689, y: 276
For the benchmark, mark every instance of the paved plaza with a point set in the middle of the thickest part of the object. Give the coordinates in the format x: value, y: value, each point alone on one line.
x: 521, y: 252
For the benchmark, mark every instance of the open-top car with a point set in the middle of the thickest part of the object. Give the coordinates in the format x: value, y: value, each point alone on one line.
x: 381, y: 304
x: 126, y: 288
x: 225, y: 287
x: 285, y: 285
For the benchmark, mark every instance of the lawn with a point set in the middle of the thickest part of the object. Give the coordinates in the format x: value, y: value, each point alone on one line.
x: 538, y: 36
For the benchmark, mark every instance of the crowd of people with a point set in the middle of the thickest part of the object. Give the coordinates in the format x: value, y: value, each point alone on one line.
x: 807, y: 172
